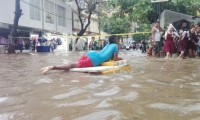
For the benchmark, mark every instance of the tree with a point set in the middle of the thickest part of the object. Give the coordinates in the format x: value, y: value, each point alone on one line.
x: 85, y: 10
x: 141, y: 28
x: 91, y: 7
x: 144, y: 11
x: 18, y: 13
x: 117, y: 25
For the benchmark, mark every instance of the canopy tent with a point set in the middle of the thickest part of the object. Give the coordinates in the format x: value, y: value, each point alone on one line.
x: 168, y: 16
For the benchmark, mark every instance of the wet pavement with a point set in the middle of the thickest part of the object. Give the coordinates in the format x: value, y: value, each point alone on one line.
x: 154, y: 89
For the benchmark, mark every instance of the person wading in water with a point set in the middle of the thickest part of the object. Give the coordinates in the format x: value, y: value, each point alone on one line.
x: 156, y: 39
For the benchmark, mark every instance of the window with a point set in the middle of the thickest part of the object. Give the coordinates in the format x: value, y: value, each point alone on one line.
x: 34, y: 9
x: 61, y: 16
x: 49, y: 14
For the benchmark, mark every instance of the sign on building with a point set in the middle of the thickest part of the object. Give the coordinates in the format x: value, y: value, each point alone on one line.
x: 155, y: 1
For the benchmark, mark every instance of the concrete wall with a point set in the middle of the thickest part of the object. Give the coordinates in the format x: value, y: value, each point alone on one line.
x: 7, y: 15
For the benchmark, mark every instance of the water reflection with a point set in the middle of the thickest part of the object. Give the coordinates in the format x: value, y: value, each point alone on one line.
x: 153, y: 89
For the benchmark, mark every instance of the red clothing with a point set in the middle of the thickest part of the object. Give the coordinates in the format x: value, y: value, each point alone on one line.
x: 183, y: 44
x: 169, y: 44
x: 84, y: 61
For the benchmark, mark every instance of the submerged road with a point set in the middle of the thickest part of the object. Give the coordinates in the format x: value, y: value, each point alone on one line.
x: 154, y: 89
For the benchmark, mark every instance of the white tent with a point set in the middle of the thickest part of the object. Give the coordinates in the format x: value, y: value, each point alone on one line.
x: 168, y: 16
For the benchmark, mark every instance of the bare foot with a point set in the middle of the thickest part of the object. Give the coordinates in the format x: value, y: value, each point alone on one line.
x: 42, y: 69
x: 46, y: 69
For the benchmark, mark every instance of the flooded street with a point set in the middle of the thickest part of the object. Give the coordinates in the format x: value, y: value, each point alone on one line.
x: 154, y: 89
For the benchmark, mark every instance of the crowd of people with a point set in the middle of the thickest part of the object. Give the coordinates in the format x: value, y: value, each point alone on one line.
x: 93, y: 44
x: 22, y: 43
x: 184, y: 42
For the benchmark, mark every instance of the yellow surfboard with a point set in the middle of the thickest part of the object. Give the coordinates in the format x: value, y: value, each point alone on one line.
x: 114, y: 63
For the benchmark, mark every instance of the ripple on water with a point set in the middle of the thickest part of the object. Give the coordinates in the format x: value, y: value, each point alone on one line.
x: 69, y: 94
x: 104, y: 104
x: 194, y: 83
x: 154, y: 81
x: 75, y: 81
x: 7, y: 116
x: 176, y: 108
x: 93, y: 85
x: 127, y: 76
x: 113, y: 91
x: 44, y: 80
x: 100, y: 81
x: 187, y: 77
x: 3, y: 99
x: 57, y: 118
x: 178, y: 81
x: 79, y: 103
x: 129, y: 97
x: 102, y: 115
x: 135, y: 86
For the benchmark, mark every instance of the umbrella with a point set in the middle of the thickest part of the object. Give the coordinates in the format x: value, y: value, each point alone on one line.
x: 40, y: 37
x: 177, y: 24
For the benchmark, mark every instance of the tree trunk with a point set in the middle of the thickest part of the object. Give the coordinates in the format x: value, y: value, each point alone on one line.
x: 84, y: 28
x: 18, y: 13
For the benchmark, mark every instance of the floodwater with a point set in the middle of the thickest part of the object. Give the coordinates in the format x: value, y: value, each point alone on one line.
x: 154, y: 89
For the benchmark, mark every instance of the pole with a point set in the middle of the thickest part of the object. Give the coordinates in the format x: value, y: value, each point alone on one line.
x: 159, y: 6
x: 159, y: 10
x: 108, y: 23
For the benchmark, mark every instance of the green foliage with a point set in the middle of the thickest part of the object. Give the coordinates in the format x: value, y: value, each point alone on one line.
x: 146, y: 12
x: 116, y: 25
x: 142, y: 28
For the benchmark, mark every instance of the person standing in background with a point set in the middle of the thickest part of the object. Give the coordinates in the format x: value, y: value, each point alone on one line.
x: 52, y: 45
x: 143, y: 46
x: 3, y: 41
x: 192, y: 25
x: 156, y: 39
x: 169, y: 46
x: 34, y: 43
x: 20, y: 43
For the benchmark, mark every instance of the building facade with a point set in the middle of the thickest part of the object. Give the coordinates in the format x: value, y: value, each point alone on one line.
x: 48, y: 16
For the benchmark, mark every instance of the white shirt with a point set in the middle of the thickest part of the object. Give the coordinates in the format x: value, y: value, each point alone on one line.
x: 157, y: 35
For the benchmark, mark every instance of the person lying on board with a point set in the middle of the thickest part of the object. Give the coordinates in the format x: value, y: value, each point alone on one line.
x: 91, y: 59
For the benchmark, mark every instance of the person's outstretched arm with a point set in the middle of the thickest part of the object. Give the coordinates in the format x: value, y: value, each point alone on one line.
x: 116, y: 58
x: 153, y: 35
